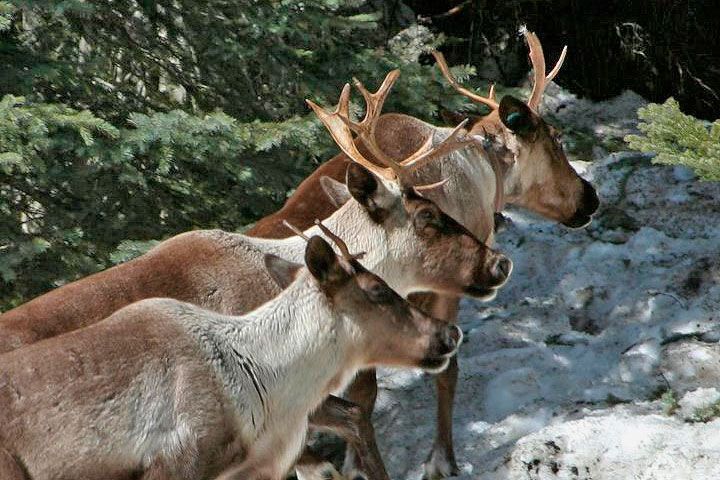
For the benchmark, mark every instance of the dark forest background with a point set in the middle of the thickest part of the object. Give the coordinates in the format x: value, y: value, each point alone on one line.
x: 127, y: 121
x: 658, y: 48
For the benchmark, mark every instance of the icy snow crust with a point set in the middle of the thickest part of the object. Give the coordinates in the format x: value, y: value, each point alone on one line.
x: 560, y: 375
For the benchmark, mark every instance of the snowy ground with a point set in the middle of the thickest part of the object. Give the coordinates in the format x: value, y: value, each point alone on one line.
x: 561, y: 374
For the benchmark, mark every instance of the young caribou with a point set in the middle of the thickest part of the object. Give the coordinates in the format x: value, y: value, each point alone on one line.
x: 164, y: 389
x: 517, y: 159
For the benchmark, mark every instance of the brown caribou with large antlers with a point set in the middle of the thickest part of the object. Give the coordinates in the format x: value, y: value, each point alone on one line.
x: 517, y: 159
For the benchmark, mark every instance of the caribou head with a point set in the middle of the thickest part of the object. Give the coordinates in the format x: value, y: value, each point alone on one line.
x: 386, y: 327
x: 538, y: 175
x: 435, y: 252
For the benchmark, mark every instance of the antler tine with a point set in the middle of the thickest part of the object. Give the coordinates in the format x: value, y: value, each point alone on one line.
x: 430, y: 186
x: 491, y: 92
x: 537, y: 59
x: 373, y: 106
x: 296, y: 230
x: 375, y: 101
x: 442, y: 64
x: 336, y: 124
x: 424, y: 154
x: 339, y: 242
x: 558, y: 65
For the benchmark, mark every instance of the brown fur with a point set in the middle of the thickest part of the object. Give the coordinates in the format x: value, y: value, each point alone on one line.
x: 202, y: 267
x: 90, y: 372
x: 223, y: 271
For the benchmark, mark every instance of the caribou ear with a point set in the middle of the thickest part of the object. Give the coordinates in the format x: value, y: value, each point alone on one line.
x: 282, y: 271
x: 517, y: 116
x: 336, y: 191
x: 323, y: 263
x: 364, y: 187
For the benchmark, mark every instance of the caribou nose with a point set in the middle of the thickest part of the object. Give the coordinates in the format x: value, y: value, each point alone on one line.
x: 450, y: 340
x: 501, y: 270
x: 591, y: 202
x: 589, y: 205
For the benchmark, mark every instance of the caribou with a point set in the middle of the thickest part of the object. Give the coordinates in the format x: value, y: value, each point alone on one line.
x: 412, y: 244
x: 165, y: 389
x: 517, y: 158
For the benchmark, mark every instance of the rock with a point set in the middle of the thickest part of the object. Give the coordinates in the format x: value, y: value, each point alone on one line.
x: 691, y: 364
x: 681, y: 173
x: 696, y: 400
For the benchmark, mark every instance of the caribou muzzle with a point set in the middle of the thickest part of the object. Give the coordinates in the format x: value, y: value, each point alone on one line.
x: 489, y: 279
x: 443, y: 345
x: 588, y: 206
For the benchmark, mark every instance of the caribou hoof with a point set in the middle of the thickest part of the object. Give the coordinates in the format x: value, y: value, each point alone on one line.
x: 321, y: 471
x: 439, y: 466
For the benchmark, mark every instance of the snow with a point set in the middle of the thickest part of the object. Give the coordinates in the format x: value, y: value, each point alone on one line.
x: 560, y: 375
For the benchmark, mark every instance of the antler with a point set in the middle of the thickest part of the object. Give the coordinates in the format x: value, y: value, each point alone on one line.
x: 295, y: 230
x: 537, y: 58
x: 344, y: 251
x: 339, y: 242
x: 489, y: 100
x: 340, y: 126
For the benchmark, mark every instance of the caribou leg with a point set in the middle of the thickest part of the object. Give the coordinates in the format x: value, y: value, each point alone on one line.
x: 349, y: 421
x: 441, y: 461
x: 363, y: 392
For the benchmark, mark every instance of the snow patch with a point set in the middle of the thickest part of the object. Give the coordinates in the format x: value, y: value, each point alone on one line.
x: 560, y: 375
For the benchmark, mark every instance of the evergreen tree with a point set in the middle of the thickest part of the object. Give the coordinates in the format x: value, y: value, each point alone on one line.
x: 678, y: 139
x: 132, y: 121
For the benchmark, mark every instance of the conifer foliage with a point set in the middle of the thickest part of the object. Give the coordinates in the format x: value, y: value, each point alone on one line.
x: 678, y: 139
x: 134, y: 120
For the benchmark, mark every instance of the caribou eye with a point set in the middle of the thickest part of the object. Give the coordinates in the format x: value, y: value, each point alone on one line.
x: 513, y: 118
x: 379, y: 293
x: 427, y: 215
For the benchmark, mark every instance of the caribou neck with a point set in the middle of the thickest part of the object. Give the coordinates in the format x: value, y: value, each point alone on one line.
x: 474, y: 179
x: 276, y: 356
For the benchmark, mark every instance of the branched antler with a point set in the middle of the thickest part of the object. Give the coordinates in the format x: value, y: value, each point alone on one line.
x: 537, y: 59
x: 489, y: 100
x: 540, y: 80
x: 341, y: 128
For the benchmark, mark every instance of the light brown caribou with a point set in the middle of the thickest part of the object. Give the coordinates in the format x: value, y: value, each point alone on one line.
x: 411, y: 243
x: 517, y: 159
x: 167, y: 390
